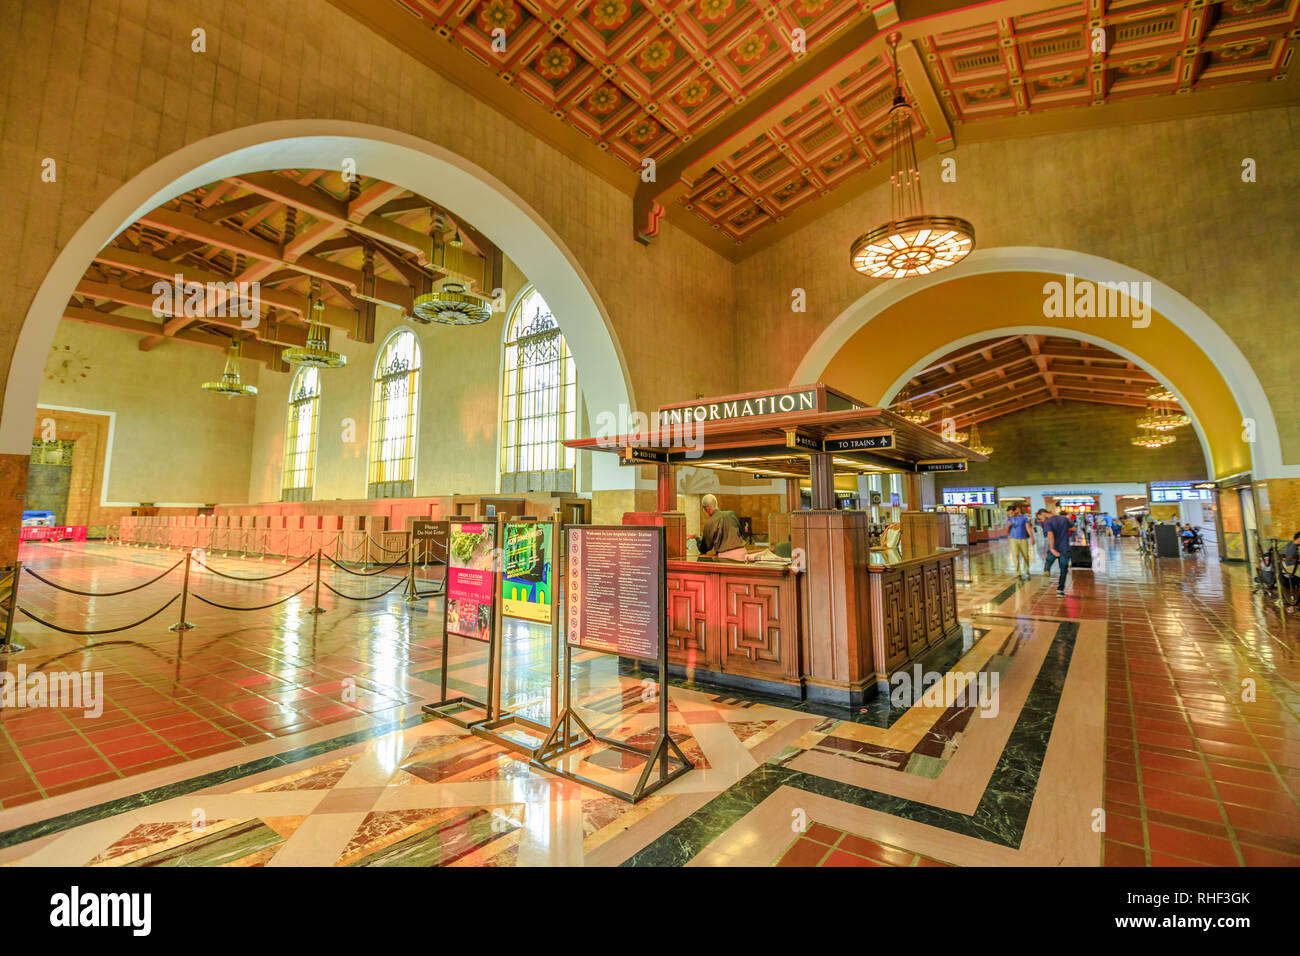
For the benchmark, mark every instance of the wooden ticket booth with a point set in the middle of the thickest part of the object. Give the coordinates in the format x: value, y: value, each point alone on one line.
x: 836, y: 617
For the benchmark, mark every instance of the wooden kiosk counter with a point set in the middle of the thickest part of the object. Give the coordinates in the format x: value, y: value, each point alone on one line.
x: 833, y: 623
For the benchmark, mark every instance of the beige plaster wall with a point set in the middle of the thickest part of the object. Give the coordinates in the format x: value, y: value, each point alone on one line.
x: 171, y: 440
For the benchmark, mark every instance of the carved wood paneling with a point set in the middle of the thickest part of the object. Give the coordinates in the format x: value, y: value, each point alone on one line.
x: 895, y: 618
x: 688, y: 604
x: 757, y: 627
x: 914, y: 589
x: 933, y: 604
x: 948, y: 594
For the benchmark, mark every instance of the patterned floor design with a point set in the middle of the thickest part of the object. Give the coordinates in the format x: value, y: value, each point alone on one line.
x: 1120, y: 703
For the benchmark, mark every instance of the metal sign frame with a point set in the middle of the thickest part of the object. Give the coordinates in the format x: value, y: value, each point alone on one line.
x: 560, y: 741
x: 464, y: 702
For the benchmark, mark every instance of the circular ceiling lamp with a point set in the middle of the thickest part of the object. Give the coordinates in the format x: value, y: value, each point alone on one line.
x: 1153, y: 440
x: 1158, y: 393
x: 316, y: 353
x: 451, y: 305
x: 912, y: 243
x: 977, y: 446
x: 904, y: 408
x: 230, y: 385
x: 956, y: 435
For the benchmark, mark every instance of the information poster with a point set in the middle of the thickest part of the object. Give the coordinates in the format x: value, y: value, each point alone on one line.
x: 526, y: 586
x: 470, y: 590
x: 614, y: 590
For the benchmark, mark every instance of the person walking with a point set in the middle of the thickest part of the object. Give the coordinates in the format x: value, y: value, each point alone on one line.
x: 1040, y: 516
x: 1057, y: 529
x: 1019, y: 530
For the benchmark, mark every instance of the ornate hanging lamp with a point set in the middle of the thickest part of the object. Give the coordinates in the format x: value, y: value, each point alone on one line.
x: 1158, y: 393
x: 230, y: 385
x: 1153, y: 440
x: 1162, y: 418
x: 957, y: 436
x: 911, y: 243
x: 904, y: 408
x: 316, y: 353
x: 975, y: 445
x: 452, y: 303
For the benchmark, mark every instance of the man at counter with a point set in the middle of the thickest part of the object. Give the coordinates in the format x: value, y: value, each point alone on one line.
x: 720, y: 534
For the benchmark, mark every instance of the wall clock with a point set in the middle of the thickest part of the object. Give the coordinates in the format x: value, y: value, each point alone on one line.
x: 66, y: 365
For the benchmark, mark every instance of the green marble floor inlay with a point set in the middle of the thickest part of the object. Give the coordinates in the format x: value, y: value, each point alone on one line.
x: 1000, y: 817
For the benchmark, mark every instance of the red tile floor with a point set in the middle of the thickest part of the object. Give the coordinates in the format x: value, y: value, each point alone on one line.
x: 824, y: 845
x: 1203, y: 715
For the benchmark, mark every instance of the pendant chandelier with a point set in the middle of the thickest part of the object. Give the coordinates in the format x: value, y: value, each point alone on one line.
x: 452, y: 304
x: 911, y: 243
x: 230, y: 385
x: 904, y: 408
x: 957, y: 436
x: 1163, y: 417
x: 316, y: 353
x: 1153, y: 440
x: 976, y: 445
x: 1158, y: 393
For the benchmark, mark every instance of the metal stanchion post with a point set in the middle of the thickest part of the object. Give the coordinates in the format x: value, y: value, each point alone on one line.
x: 316, y: 608
x: 182, y: 624
x: 7, y: 643
x: 411, y: 595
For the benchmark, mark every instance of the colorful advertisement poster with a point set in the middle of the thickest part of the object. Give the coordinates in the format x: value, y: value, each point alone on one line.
x: 470, y: 580
x: 526, y: 581
x: 615, y: 590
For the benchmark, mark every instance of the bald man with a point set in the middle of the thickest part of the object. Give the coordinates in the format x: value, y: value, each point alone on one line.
x: 720, y: 533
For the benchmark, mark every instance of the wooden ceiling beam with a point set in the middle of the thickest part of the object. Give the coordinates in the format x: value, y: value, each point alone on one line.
x: 381, y: 290
x: 322, y: 206
x: 972, y: 351
x: 254, y: 350
x: 233, y: 207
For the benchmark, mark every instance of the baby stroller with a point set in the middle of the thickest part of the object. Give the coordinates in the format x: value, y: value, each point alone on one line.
x: 1265, y: 571
x: 1192, y: 543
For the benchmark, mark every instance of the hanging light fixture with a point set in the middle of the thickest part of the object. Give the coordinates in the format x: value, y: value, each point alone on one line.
x: 957, y: 436
x: 904, y: 408
x: 316, y: 353
x: 911, y: 243
x: 1158, y: 393
x: 975, y: 445
x: 1153, y: 440
x: 230, y: 385
x: 1163, y: 419
x: 452, y: 304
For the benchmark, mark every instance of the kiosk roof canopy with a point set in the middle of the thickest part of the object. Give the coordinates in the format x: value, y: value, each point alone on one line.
x: 777, y: 432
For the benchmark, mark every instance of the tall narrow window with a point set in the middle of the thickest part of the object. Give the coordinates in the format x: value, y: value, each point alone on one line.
x: 300, y: 436
x: 540, y: 401
x: 394, y: 405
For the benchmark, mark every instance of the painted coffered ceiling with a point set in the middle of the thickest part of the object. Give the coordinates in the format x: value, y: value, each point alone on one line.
x: 760, y: 115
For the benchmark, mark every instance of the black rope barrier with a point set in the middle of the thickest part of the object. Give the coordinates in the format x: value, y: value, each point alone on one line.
x: 60, y: 587
x: 278, y: 574
x: 110, y: 630
x: 260, y: 607
x: 349, y: 597
x: 365, y: 574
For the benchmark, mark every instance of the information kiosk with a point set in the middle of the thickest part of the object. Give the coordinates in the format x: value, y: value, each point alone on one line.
x: 833, y: 620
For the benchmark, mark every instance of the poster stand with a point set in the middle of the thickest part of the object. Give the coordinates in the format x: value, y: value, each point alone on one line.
x: 491, y: 728
x: 564, y: 738
x: 453, y: 709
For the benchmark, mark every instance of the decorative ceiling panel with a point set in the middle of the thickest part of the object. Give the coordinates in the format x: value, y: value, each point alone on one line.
x: 646, y: 78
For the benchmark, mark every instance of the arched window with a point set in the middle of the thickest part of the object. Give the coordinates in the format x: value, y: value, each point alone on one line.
x: 540, y: 401
x: 394, y: 404
x: 300, y: 436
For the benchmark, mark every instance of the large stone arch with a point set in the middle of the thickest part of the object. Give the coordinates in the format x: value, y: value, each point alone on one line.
x: 990, y: 294
x: 424, y: 167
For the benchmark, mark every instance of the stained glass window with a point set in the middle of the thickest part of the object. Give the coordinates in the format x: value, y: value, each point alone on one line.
x: 394, y: 405
x: 300, y: 436
x: 540, y: 392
